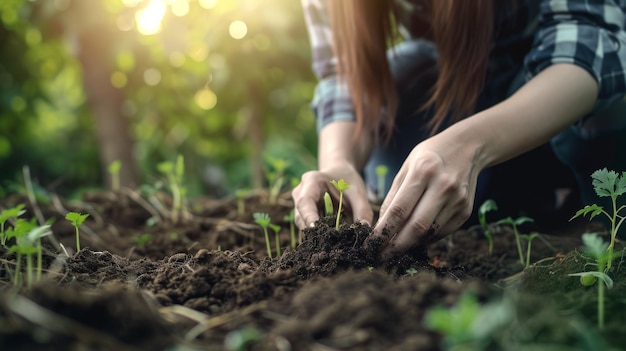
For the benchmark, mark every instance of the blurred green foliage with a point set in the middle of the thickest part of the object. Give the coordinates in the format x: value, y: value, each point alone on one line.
x: 192, y: 73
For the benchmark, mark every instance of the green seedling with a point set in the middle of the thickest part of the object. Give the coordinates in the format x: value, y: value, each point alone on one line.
x: 290, y: 218
x: 28, y: 243
x: 263, y: 219
x: 142, y: 240
x: 5, y: 215
x: 242, y: 339
x: 381, y: 174
x: 241, y: 194
x: 342, y: 186
x: 468, y: 325
x: 487, y: 206
x: 328, y: 205
x: 77, y: 220
x: 529, y: 239
x: 607, y: 184
x: 276, y: 228
x: 515, y: 223
x: 596, y: 248
x: 114, y: 171
x: 277, y: 177
x: 411, y: 271
x: 175, y: 174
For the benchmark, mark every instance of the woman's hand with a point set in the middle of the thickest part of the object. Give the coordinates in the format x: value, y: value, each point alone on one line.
x: 431, y: 196
x: 308, y: 195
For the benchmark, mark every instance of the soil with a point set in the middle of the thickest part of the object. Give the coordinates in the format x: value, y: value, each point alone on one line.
x: 147, y: 280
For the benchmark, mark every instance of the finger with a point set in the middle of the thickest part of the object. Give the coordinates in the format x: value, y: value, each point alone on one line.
x: 298, y: 220
x: 420, y: 224
x: 307, y: 208
x: 401, y: 206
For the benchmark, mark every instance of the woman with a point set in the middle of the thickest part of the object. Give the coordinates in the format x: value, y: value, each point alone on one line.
x: 470, y: 87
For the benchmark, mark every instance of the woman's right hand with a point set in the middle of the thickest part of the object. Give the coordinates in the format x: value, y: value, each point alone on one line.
x: 308, y: 195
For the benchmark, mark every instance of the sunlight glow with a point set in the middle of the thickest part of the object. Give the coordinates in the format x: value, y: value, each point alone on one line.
x: 152, y: 76
x: 205, y: 99
x: 238, y: 29
x: 208, y: 4
x: 149, y: 19
x: 180, y: 8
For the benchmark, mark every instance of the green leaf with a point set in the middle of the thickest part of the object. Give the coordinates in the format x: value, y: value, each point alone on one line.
x: 275, y: 228
x: 605, y: 278
x: 115, y: 166
x: 604, y: 182
x: 341, y: 185
x: 12, y: 213
x: 381, y: 170
x: 594, y: 245
x: 593, y: 209
x: 38, y: 233
x: 488, y: 205
x: 76, y: 218
x: 262, y: 219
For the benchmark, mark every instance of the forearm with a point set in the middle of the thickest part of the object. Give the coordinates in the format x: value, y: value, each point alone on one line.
x: 546, y: 105
x: 338, y: 146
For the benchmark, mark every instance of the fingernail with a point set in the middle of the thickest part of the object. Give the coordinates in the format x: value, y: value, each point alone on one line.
x: 312, y: 224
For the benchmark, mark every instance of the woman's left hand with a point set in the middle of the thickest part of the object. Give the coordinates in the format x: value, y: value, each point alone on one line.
x: 431, y: 196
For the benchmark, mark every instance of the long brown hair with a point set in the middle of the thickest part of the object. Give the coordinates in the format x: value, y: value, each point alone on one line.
x: 462, y: 31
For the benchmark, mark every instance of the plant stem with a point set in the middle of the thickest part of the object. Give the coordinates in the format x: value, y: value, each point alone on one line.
x: 613, y: 231
x: 29, y: 270
x: 292, y: 231
x: 519, y: 245
x: 339, y: 210
x: 277, y: 245
x: 77, y: 240
x: 18, y: 270
x: 528, y: 253
x: 39, y: 259
x: 267, y: 243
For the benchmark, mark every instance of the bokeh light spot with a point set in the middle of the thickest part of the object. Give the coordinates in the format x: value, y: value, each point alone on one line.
x: 119, y: 79
x: 206, y: 99
x: 238, y: 29
x: 152, y: 76
x: 125, y: 61
x: 5, y: 147
x: 199, y: 52
x: 149, y: 19
x: 208, y: 4
x: 18, y: 104
x: 33, y: 36
x: 177, y: 59
x: 125, y: 22
x: 180, y: 8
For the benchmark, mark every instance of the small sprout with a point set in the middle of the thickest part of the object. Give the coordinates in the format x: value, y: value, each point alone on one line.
x: 263, y: 219
x: 607, y: 184
x: 175, y: 173
x: 596, y: 248
x: 529, y: 239
x: 488, y: 205
x: 242, y: 339
x: 114, y: 171
x: 276, y: 229
x: 342, y: 186
x: 515, y: 223
x: 143, y: 239
x: 241, y: 194
x: 411, y: 271
x: 328, y: 205
x: 5, y: 215
x: 381, y: 174
x: 276, y: 178
x: 77, y: 220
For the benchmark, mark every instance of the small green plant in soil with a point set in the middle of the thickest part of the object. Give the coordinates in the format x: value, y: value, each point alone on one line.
x: 487, y: 206
x: 276, y: 228
x: 175, y: 173
x: 7, y: 214
x: 77, y: 220
x: 607, y: 184
x: 529, y: 240
x: 290, y: 218
x: 328, y: 205
x: 381, y: 174
x: 342, y: 186
x: 276, y: 178
x: 240, y: 195
x: 114, y: 171
x: 263, y: 219
x: 596, y: 248
x: 28, y: 243
x: 142, y: 240
x: 515, y: 223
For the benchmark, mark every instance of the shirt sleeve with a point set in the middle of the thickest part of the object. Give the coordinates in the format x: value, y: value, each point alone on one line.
x: 587, y: 33
x: 331, y: 100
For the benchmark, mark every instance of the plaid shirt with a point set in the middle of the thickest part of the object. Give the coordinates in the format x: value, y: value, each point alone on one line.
x: 587, y: 33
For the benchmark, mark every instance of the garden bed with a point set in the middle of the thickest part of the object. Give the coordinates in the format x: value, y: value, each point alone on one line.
x: 143, y: 281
